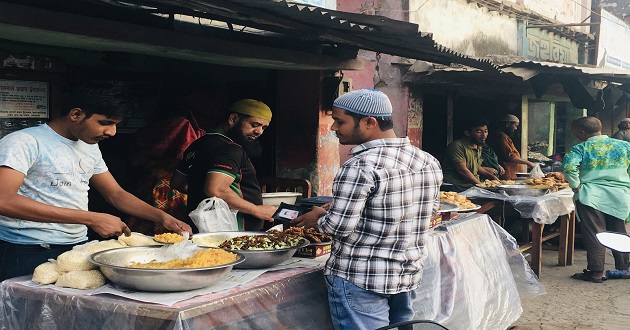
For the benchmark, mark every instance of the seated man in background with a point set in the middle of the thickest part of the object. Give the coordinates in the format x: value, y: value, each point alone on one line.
x: 218, y: 165
x: 624, y: 130
x: 462, y: 165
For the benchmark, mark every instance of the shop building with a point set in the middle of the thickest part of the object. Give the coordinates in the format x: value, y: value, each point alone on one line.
x: 204, y: 55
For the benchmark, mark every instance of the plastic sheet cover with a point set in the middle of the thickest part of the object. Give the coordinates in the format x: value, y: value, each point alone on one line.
x: 478, y: 283
x: 543, y: 209
x: 289, y: 299
x: 473, y: 278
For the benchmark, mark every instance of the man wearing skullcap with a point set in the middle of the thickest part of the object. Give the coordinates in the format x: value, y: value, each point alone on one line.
x: 218, y: 165
x: 383, y: 199
x: 506, y: 151
x: 624, y: 130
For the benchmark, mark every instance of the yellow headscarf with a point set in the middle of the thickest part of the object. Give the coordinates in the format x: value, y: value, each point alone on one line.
x: 252, y: 108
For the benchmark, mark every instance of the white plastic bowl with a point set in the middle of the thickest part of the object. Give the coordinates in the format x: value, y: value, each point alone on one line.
x: 276, y: 198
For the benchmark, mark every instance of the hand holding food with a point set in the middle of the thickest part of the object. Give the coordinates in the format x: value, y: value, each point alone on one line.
x: 176, y: 226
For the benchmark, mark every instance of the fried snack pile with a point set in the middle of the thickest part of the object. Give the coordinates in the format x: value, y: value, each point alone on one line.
x: 205, y: 258
x: 494, y: 183
x: 310, y: 234
x: 461, y: 200
x: 169, y: 238
x: 553, y: 180
x: 272, y: 241
x: 558, y: 176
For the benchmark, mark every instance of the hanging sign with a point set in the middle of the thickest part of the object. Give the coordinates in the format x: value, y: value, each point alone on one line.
x: 612, y: 43
x: 23, y: 99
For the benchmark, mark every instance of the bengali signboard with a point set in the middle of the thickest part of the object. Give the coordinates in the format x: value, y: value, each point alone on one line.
x: 545, y: 45
x: 23, y: 99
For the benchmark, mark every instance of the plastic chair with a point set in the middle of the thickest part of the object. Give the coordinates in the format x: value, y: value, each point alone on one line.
x: 273, y: 184
x: 415, y: 325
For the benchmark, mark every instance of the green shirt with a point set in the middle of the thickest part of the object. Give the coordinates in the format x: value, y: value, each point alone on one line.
x: 459, y: 151
x: 489, y: 159
x: 600, y: 165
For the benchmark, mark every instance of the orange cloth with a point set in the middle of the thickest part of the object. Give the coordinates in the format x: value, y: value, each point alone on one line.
x: 167, y: 138
x: 160, y: 146
x: 505, y: 149
x: 155, y: 189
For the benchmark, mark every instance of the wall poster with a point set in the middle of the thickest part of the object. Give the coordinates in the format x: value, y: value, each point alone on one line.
x: 23, y: 99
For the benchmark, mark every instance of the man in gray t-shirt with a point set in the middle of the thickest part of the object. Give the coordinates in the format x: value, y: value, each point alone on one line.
x: 46, y: 173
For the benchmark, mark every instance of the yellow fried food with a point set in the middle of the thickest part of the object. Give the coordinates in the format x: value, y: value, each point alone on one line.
x: 169, y: 238
x: 555, y: 182
x: 467, y: 205
x: 205, y: 258
x: 493, y: 183
x: 460, y: 200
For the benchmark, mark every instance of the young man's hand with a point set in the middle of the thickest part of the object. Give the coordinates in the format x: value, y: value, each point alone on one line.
x: 309, y: 219
x: 108, y: 225
x: 176, y: 226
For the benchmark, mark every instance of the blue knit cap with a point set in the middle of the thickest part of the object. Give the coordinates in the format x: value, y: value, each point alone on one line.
x: 366, y: 102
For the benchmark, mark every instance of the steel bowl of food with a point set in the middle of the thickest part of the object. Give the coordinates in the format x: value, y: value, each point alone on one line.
x: 123, y: 267
x: 261, y: 249
x: 523, y: 190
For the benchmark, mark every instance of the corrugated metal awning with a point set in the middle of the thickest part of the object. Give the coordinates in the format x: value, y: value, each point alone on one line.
x: 586, y: 87
x: 529, y: 69
x: 294, y: 26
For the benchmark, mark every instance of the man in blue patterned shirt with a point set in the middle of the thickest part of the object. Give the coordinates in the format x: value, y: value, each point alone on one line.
x: 597, y: 171
x: 383, y: 199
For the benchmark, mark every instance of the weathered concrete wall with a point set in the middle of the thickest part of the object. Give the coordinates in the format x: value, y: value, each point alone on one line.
x: 565, y: 11
x: 465, y: 27
x: 381, y: 71
x: 327, y: 157
x: 619, y: 8
x: 415, y: 120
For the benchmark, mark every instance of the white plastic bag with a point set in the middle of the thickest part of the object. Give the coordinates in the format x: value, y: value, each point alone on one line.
x: 536, y: 172
x: 213, y: 214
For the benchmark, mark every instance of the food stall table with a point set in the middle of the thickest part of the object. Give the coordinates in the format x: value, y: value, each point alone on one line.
x: 536, y: 212
x: 473, y: 277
